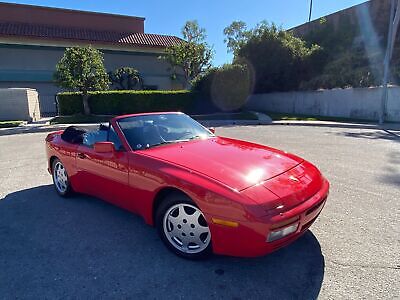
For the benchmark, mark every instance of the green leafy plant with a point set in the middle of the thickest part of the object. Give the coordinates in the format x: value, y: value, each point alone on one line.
x: 343, y: 61
x: 351, y: 69
x: 126, y: 78
x: 193, y: 55
x: 328, y: 53
x: 227, y: 87
x: 123, y: 102
x: 279, y: 59
x: 8, y: 124
x: 236, y: 35
x: 82, y: 69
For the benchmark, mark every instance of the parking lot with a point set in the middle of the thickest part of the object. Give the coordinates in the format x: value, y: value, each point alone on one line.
x: 52, y: 247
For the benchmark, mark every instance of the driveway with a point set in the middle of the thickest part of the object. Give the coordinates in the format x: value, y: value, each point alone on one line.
x: 52, y: 247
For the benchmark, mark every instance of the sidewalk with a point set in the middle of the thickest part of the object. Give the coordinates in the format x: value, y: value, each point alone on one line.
x: 44, y: 126
x: 385, y: 126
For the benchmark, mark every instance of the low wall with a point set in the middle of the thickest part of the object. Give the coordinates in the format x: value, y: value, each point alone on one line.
x: 19, y: 104
x: 359, y: 103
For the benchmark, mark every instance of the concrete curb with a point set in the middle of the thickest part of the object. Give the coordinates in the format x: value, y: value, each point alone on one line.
x: 35, y: 128
x: 217, y: 123
x: 262, y: 117
x: 387, y: 126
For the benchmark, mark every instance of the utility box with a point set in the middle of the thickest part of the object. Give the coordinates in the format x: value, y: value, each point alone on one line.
x: 19, y: 104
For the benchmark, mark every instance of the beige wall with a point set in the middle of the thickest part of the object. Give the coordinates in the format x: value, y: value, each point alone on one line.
x: 46, y: 91
x: 32, y: 66
x: 19, y: 104
x: 45, y: 59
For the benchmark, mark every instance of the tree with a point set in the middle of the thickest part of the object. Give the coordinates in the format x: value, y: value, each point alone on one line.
x: 193, y: 33
x: 280, y: 60
x: 193, y: 55
x: 126, y: 78
x: 237, y: 35
x: 82, y: 69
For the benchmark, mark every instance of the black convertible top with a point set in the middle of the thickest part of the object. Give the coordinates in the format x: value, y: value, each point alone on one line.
x: 73, y: 135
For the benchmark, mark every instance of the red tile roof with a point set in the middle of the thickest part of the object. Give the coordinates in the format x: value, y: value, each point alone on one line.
x: 51, y: 32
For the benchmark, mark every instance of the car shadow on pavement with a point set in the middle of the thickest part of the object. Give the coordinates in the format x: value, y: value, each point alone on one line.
x: 392, y: 169
x: 40, y: 129
x: 27, y: 129
x: 82, y: 247
x: 373, y: 135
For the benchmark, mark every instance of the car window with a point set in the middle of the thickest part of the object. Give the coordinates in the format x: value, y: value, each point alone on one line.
x: 134, y: 133
x: 113, y: 137
x: 92, y: 137
x: 146, y: 131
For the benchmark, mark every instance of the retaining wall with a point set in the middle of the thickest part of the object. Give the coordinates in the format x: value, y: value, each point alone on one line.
x: 359, y: 103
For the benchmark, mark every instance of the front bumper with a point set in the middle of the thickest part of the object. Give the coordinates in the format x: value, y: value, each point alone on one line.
x: 249, y: 239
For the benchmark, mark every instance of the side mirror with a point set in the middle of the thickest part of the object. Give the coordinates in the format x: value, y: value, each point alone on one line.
x: 104, y: 147
x: 212, y: 129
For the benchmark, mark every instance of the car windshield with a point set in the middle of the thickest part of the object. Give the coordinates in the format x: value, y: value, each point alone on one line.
x: 153, y: 130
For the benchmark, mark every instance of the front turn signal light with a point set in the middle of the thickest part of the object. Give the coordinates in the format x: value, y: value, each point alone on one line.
x: 225, y: 222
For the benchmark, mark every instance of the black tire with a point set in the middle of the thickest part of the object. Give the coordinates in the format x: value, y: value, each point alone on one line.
x: 168, y: 203
x: 63, y: 192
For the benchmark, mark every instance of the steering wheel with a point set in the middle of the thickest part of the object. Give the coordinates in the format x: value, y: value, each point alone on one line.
x: 162, y: 130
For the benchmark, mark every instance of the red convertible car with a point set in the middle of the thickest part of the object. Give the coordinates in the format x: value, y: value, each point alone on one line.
x: 204, y: 193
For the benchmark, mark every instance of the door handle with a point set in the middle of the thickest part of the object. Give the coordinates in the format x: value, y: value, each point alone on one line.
x: 81, y: 155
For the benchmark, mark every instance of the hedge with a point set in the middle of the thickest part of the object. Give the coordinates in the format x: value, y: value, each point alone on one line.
x: 125, y: 102
x: 227, y: 87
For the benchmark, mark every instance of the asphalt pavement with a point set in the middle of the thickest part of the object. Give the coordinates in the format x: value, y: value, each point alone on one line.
x: 81, y: 247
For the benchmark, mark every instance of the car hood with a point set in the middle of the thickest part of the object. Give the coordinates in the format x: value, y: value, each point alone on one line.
x: 291, y: 188
x: 235, y: 163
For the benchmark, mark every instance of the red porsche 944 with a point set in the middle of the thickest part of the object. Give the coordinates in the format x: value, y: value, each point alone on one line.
x: 202, y: 192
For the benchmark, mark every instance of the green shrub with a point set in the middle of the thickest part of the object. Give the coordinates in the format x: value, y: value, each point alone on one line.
x: 227, y: 87
x: 351, y: 69
x: 126, y: 78
x: 279, y: 59
x: 69, y: 103
x: 202, y: 84
x: 125, y: 102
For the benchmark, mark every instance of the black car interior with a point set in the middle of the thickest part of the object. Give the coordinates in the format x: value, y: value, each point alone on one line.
x: 77, y: 135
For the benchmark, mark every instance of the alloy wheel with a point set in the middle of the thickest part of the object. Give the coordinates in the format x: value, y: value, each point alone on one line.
x: 186, y: 229
x: 60, y: 177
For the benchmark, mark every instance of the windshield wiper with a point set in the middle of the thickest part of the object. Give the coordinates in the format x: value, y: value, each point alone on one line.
x: 166, y: 143
x: 175, y: 141
x: 195, y: 137
x: 199, y: 136
x: 158, y: 144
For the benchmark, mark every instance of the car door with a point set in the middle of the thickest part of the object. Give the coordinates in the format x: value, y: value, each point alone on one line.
x: 104, y: 175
